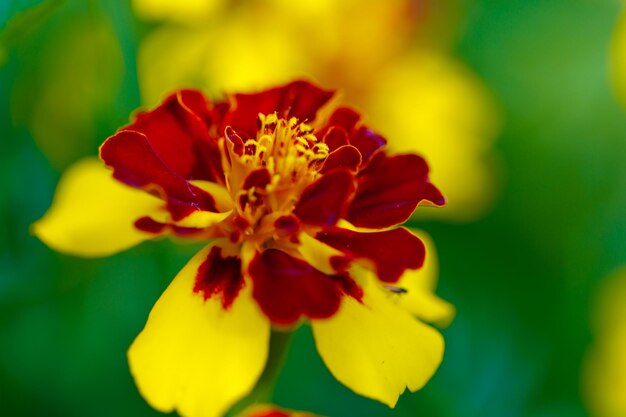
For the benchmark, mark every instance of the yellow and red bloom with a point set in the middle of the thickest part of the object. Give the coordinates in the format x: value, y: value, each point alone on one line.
x: 300, y: 216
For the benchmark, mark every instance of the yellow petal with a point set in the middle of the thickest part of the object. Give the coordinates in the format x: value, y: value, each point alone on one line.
x: 317, y: 254
x: 201, y: 219
x: 376, y: 348
x: 223, y: 199
x: 93, y: 214
x: 194, y: 356
x: 420, y: 284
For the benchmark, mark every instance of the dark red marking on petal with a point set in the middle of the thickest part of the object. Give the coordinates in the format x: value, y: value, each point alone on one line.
x: 219, y: 276
x: 326, y: 200
x: 147, y: 224
x: 389, y: 189
x: 235, y: 139
x: 287, y: 288
x: 349, y: 286
x: 185, y: 231
x: 367, y: 142
x: 135, y: 163
x: 391, y: 251
x: 259, y: 178
x: 299, y: 99
x: 287, y: 225
x: 340, y: 263
x: 150, y: 225
x: 335, y: 138
x: 178, y: 132
x: 346, y: 156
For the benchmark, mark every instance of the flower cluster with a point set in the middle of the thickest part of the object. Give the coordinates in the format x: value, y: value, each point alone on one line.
x: 299, y: 216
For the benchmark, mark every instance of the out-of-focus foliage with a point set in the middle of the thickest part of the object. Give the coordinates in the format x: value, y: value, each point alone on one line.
x: 63, y: 105
x: 521, y: 278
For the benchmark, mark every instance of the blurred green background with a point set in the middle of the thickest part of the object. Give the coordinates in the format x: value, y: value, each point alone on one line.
x: 522, y: 277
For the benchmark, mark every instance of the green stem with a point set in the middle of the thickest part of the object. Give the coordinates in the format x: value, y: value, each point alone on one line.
x: 264, y: 389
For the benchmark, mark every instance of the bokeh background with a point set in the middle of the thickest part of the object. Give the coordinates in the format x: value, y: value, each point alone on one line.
x: 514, y: 103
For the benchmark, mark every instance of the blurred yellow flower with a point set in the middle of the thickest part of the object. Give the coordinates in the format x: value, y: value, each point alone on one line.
x: 618, y: 49
x: 185, y: 11
x: 604, y: 373
x: 424, y: 100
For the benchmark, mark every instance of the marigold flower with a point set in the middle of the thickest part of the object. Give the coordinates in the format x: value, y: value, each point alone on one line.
x: 299, y: 214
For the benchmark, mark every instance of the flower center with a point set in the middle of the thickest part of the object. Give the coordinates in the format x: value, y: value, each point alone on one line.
x: 286, y: 148
x: 268, y: 173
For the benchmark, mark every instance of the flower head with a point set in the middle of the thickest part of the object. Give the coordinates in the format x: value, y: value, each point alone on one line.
x: 299, y: 214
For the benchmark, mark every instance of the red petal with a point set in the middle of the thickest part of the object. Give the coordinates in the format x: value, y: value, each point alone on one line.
x: 287, y: 225
x: 287, y: 288
x: 335, y: 138
x: 344, y: 157
x: 299, y: 99
x: 135, y: 163
x: 391, y: 251
x: 178, y: 132
x: 344, y: 117
x: 235, y: 139
x: 220, y: 276
x: 199, y: 105
x: 364, y: 139
x: 325, y: 201
x: 367, y: 142
x: 389, y: 189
